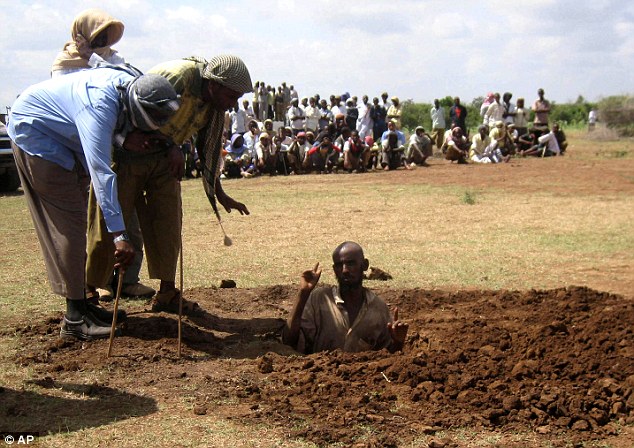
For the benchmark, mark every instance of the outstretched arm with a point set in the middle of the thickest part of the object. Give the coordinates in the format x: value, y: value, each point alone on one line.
x: 308, y: 281
x: 228, y: 202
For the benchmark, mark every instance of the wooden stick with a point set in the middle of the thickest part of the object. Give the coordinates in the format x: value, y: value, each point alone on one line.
x: 180, y: 300
x: 114, y: 312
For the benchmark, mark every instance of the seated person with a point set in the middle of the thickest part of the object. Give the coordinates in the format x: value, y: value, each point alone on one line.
x: 457, y: 146
x: 500, y: 134
x: 297, y: 152
x: 561, y: 138
x: 322, y: 157
x: 347, y: 317
x: 355, y: 153
x: 481, y: 146
x: 393, y: 154
x: 419, y: 148
x: 375, y: 153
x: 237, y: 161
x: 546, y: 146
x: 282, y: 164
x: 266, y: 162
x: 525, y: 142
x: 391, y: 127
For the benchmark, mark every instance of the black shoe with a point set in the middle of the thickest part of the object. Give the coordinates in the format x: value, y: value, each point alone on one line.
x: 86, y: 329
x: 105, y: 316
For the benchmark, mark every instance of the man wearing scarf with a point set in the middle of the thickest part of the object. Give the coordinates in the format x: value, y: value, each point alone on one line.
x: 62, y: 132
x: 207, y: 89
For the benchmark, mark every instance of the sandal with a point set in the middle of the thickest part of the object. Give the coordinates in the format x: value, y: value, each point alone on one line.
x: 168, y: 302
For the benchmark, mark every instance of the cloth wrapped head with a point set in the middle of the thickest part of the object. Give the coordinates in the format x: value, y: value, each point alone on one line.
x: 229, y: 71
x: 150, y: 101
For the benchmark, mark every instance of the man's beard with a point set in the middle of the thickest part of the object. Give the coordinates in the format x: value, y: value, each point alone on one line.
x: 348, y: 286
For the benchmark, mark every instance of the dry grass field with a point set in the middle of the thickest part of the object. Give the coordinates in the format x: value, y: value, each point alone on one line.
x: 517, y: 280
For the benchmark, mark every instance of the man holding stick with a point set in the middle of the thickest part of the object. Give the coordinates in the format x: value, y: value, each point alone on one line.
x: 150, y: 184
x: 62, y: 133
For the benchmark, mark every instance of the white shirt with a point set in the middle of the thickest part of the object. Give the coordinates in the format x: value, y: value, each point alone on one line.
x: 437, y: 118
x: 551, y: 142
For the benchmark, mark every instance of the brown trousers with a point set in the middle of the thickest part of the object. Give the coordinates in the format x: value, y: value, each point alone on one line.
x: 147, y: 186
x: 57, y: 199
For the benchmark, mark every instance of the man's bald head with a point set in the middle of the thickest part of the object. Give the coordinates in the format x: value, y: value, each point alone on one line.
x: 349, y: 245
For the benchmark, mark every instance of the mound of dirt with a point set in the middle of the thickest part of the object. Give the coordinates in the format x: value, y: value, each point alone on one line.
x: 557, y: 362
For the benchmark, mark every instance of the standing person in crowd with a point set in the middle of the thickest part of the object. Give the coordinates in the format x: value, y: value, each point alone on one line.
x: 293, y: 93
x: 488, y: 100
x: 270, y: 102
x: 541, y: 107
x: 248, y: 110
x: 458, y: 115
x: 296, y: 117
x: 592, y: 120
x: 313, y: 114
x: 263, y: 102
x: 93, y: 32
x: 419, y: 148
x: 394, y: 112
x: 238, y: 120
x: 438, y: 125
x: 378, y: 115
x: 280, y: 109
x: 352, y: 114
x: 384, y: 97
x: 364, y: 122
x: 256, y: 100
x: 62, y: 132
x: 521, y: 117
x: 508, y: 116
x: 325, y: 116
x: 346, y: 317
x: 495, y: 112
x: 149, y: 183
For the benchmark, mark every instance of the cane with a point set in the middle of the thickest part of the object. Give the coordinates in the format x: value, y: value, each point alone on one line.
x: 180, y: 299
x: 114, y: 312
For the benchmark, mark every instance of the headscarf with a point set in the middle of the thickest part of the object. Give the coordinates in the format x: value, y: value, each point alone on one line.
x: 148, y: 103
x: 231, y: 72
x: 90, y: 24
x: 417, y: 139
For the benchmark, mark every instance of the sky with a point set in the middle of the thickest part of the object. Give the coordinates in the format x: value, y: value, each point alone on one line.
x: 413, y: 49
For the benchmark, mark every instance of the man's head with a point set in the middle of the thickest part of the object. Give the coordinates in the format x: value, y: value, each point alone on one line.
x: 384, y: 97
x: 295, y: 102
x: 301, y: 137
x: 375, y: 101
x: 507, y: 97
x: 150, y: 101
x: 456, y: 101
x: 395, y: 100
x: 496, y: 96
x: 555, y: 127
x: 304, y: 101
x: 419, y: 130
x: 354, y: 135
x: 391, y: 125
x: 436, y: 103
x: 323, y: 104
x: 311, y: 101
x: 349, y: 264
x: 254, y: 127
x: 540, y: 93
x: 520, y: 102
x: 226, y: 80
x: 364, y: 98
x: 483, y: 130
x: 237, y: 141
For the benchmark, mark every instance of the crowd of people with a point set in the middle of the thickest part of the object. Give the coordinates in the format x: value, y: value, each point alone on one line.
x: 280, y: 134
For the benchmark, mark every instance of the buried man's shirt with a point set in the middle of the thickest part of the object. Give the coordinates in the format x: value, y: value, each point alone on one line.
x: 325, y: 324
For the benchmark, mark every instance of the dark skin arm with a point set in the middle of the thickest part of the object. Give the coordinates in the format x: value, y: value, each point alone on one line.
x: 398, y: 330
x: 308, y: 281
x: 228, y: 202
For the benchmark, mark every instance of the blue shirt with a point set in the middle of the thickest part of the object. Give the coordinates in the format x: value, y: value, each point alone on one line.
x: 72, y: 118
